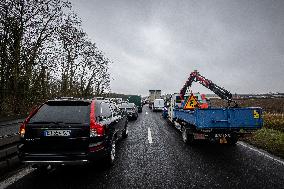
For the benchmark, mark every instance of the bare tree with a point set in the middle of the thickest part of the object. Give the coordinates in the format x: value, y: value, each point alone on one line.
x: 82, y: 63
x: 71, y: 40
x: 26, y: 25
x: 45, y: 53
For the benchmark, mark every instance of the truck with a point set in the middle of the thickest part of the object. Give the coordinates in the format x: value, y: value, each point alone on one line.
x: 137, y: 100
x: 153, y: 94
x: 197, y: 120
x: 158, y: 105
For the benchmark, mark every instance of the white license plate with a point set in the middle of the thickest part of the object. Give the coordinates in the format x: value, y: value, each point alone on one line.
x: 57, y: 133
x: 222, y: 135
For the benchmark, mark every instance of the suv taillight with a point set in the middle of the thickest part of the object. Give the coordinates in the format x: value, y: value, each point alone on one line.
x: 96, y: 129
x: 23, y: 126
x: 23, y: 130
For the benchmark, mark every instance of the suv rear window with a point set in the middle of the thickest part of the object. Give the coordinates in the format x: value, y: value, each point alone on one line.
x: 65, y: 112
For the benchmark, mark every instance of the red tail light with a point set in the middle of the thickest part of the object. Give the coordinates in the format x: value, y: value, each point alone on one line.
x: 23, y: 126
x: 23, y: 130
x: 96, y: 129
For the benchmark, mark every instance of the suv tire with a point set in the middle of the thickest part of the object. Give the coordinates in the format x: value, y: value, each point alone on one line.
x: 111, y: 154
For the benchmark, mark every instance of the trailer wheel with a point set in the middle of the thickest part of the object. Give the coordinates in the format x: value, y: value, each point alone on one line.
x: 186, y: 137
x: 233, y: 140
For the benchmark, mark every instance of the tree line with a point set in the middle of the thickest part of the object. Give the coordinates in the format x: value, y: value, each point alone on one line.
x: 45, y: 53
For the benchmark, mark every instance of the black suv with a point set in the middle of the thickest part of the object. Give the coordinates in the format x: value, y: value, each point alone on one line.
x: 72, y: 131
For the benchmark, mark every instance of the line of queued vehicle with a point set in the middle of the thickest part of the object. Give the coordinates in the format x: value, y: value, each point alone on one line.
x: 74, y: 131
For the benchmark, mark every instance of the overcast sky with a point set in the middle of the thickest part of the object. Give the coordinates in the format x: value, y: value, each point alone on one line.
x: 239, y: 45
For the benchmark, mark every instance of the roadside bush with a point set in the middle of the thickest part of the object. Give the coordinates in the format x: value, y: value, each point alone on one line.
x: 269, y: 140
x: 274, y: 121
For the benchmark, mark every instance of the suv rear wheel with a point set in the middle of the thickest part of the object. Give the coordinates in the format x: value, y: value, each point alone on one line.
x: 111, y: 154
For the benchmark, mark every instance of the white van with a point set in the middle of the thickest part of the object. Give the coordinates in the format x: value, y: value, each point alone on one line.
x: 158, y: 105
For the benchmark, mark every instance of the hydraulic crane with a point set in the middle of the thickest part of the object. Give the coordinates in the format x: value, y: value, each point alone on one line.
x: 196, y: 77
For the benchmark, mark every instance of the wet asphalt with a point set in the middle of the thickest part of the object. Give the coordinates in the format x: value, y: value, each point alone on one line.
x: 165, y: 163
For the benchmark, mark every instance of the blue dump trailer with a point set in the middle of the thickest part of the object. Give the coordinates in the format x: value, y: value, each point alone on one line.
x: 222, y: 118
x: 222, y: 125
x: 193, y: 115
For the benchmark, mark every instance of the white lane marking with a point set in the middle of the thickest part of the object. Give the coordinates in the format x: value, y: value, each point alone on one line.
x: 149, y: 136
x: 146, y: 113
x: 260, y: 152
x: 9, y: 181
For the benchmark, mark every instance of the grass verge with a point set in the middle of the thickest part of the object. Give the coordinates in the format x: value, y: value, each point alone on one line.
x: 268, y: 139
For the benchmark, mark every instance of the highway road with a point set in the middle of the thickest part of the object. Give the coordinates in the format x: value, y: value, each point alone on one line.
x: 154, y: 156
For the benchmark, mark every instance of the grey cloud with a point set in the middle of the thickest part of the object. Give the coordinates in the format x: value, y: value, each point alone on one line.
x: 156, y: 44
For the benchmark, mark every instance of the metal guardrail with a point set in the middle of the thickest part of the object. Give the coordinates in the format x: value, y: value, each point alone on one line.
x: 9, y: 128
x: 8, y: 152
x: 12, y: 123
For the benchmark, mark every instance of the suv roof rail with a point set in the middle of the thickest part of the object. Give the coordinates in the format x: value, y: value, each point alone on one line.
x: 68, y: 98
